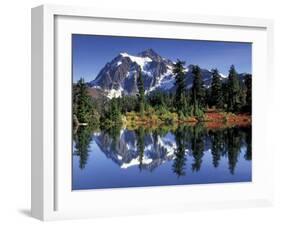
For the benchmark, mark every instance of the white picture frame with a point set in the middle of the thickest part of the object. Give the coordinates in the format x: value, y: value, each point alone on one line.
x: 51, y: 197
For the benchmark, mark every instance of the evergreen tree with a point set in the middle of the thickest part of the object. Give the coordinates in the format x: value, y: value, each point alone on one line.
x: 83, y: 106
x: 128, y: 104
x: 159, y: 99
x: 208, y: 97
x: 188, y: 105
x: 115, y: 114
x: 141, y: 94
x: 198, y: 92
x: 241, y: 105
x: 233, y: 90
x: 216, y: 90
x: 248, y: 84
x: 180, y: 102
x: 225, y: 93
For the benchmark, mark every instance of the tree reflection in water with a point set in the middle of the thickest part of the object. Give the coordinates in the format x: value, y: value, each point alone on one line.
x: 82, y: 139
x: 179, y: 161
x: 148, y: 148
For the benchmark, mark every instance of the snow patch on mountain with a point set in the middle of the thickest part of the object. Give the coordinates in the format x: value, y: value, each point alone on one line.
x: 131, y: 73
x: 165, y: 82
x: 119, y: 157
x: 223, y: 76
x: 96, y: 87
x: 170, y: 147
x: 135, y: 162
x: 131, y: 147
x: 114, y: 93
x: 141, y: 61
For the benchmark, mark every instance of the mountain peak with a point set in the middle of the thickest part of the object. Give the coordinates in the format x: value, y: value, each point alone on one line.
x: 149, y: 50
x: 151, y: 54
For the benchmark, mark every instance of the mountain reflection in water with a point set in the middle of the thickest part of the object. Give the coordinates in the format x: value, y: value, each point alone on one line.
x: 165, y: 156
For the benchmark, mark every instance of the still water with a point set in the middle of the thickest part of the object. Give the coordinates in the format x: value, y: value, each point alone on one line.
x: 116, y: 157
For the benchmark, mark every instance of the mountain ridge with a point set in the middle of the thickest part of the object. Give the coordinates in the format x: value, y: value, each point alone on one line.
x: 119, y: 76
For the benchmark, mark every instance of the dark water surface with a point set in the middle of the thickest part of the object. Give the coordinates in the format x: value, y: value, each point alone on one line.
x: 117, y: 157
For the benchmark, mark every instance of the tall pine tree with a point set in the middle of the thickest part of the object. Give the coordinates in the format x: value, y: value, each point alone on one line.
x: 198, y: 91
x: 141, y: 93
x: 233, y: 90
x: 248, y: 84
x: 115, y: 114
x: 180, y: 102
x: 83, y: 106
x: 216, y: 90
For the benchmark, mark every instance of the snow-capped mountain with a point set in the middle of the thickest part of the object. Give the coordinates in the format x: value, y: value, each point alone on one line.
x: 119, y: 77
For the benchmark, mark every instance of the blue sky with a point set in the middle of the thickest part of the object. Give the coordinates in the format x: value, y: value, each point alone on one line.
x: 91, y: 52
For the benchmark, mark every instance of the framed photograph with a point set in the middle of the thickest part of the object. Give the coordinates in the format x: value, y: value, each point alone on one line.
x: 142, y: 112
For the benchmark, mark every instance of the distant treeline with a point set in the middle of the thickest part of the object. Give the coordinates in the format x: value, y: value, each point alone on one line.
x: 232, y: 94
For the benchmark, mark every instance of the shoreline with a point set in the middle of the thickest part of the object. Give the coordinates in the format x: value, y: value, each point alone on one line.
x: 209, y: 120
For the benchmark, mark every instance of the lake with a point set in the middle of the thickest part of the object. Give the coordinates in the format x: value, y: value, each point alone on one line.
x: 120, y: 157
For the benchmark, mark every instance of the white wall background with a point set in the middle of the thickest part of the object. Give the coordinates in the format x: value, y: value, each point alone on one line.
x: 15, y: 112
